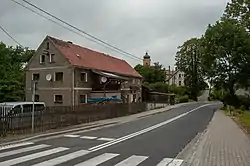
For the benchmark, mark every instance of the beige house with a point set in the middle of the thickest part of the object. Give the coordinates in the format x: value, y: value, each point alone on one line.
x: 175, y: 77
x: 68, y: 74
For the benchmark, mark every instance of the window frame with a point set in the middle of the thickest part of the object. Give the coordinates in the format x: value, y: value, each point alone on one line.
x: 41, y: 58
x: 85, y: 96
x: 86, y: 76
x: 56, y: 77
x: 58, y: 102
x: 51, y: 60
x: 33, y: 76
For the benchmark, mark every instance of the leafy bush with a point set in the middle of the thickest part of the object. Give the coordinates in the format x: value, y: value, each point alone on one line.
x: 244, y: 101
x: 224, y: 108
x: 243, y: 108
x: 159, y: 87
x: 183, y: 99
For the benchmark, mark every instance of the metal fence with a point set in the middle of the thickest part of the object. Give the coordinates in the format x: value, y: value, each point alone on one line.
x: 19, y: 122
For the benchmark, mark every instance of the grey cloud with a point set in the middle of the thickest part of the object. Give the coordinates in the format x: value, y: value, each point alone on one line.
x: 132, y: 25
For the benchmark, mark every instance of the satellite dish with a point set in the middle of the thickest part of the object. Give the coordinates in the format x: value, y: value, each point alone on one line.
x: 104, y: 79
x: 48, y: 77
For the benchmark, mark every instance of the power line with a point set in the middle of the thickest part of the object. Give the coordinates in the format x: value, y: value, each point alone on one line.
x: 9, y: 35
x: 54, y: 21
x: 96, y: 40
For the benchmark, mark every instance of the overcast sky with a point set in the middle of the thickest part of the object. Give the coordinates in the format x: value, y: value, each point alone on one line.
x: 135, y: 26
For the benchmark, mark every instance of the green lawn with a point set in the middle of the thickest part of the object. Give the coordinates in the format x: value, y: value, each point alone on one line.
x: 244, y: 119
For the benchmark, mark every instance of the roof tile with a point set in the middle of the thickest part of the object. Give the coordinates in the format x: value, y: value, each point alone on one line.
x: 83, y: 57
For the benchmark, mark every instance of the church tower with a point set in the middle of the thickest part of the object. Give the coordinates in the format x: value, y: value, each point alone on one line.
x: 146, y: 60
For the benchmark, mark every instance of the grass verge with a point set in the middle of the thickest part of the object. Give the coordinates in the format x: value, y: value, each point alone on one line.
x: 241, y: 117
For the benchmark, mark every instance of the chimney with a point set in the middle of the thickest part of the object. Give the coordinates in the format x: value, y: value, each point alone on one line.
x: 169, y: 68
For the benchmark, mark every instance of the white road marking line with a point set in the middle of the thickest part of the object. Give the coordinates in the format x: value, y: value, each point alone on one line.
x: 98, y: 160
x: 13, y: 152
x: 132, y: 161
x: 106, y: 139
x: 72, y: 136
x: 62, y: 159
x: 32, y: 156
x: 16, y: 145
x: 116, y: 141
x: 165, y: 162
x: 88, y: 137
x: 170, y: 162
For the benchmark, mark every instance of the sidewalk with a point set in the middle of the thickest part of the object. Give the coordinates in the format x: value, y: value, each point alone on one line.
x: 222, y: 144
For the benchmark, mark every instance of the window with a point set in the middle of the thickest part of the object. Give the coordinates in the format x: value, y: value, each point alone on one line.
x: 179, y: 75
x: 83, y: 98
x: 17, y: 110
x: 47, y: 46
x: 58, y: 99
x: 42, y: 59
x: 59, y: 76
x: 84, y: 77
x: 35, y: 76
x: 179, y: 83
x: 27, y: 108
x: 133, y: 81
x: 51, y: 58
x: 37, y: 97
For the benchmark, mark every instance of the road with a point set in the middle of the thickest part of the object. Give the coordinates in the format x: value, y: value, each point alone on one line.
x: 154, y: 140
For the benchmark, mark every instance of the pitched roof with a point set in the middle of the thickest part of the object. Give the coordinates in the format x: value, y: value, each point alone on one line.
x: 83, y: 57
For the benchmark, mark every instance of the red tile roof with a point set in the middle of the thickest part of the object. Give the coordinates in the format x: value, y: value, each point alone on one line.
x: 83, y: 57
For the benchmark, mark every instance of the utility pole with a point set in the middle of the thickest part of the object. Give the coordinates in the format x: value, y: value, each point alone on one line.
x: 195, y: 75
x: 194, y: 81
x: 34, y: 85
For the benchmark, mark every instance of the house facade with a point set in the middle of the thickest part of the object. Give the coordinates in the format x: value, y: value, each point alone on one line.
x: 175, y: 77
x: 68, y: 74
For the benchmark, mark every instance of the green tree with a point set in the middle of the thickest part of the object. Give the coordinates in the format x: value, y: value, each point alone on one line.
x: 188, y: 59
x: 12, y: 75
x: 226, y: 52
x: 152, y: 74
x: 238, y: 10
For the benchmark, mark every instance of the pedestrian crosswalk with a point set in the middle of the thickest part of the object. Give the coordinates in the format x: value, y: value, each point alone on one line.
x: 89, y: 137
x: 46, y: 155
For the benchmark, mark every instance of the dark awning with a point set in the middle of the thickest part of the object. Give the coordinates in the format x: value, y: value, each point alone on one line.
x: 110, y: 75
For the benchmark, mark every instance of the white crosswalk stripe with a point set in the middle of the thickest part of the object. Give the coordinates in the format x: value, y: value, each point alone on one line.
x: 105, y: 139
x: 132, y: 161
x: 170, y: 162
x: 72, y: 136
x: 88, y: 137
x: 16, y: 145
x: 63, y: 159
x: 43, y: 150
x: 9, y: 153
x: 32, y: 156
x: 98, y: 160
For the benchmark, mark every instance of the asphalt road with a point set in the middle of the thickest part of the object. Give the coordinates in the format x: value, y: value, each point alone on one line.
x: 155, y: 140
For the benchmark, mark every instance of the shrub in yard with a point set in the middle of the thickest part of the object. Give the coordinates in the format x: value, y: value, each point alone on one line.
x: 183, y: 99
x: 244, y: 101
x: 224, y: 108
x: 243, y: 108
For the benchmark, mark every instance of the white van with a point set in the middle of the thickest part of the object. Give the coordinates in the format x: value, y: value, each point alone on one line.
x: 20, y: 108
